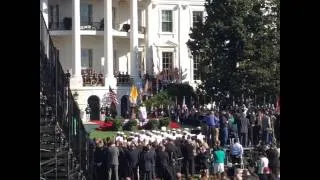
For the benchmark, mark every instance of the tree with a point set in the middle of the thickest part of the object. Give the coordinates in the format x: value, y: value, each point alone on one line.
x: 239, y: 45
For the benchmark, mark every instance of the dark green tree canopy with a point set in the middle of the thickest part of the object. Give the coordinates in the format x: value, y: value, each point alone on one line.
x: 239, y: 45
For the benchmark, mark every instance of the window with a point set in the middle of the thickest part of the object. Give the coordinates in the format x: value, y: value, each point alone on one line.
x: 197, y: 17
x: 196, y: 62
x: 166, y: 21
x: 86, y: 58
x: 50, y: 16
x: 141, y: 62
x: 113, y: 17
x: 115, y: 63
x: 57, y: 15
x: 85, y: 14
x: 167, y: 60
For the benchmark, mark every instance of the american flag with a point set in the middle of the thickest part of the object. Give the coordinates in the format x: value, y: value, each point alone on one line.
x: 112, y: 96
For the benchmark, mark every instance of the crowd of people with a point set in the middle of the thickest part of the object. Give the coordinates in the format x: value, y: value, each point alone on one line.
x: 216, y: 151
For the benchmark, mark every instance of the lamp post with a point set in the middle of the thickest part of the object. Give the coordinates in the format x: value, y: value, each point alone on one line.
x: 88, y: 110
x: 102, y: 113
x: 76, y: 95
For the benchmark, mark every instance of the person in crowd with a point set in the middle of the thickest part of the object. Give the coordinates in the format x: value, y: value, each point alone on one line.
x: 256, y: 133
x: 125, y: 169
x: 212, y: 123
x: 224, y: 129
x: 266, y: 125
x: 274, y: 162
x: 262, y: 165
x: 162, y: 164
x: 100, y: 161
x: 203, y: 157
x: 133, y: 156
x: 146, y: 163
x: 188, y: 158
x: 233, y: 128
x: 113, y: 160
x: 236, y: 152
x: 252, y: 119
x: 244, y: 125
x: 219, y: 160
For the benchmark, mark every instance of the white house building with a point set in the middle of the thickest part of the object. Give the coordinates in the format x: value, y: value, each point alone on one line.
x: 100, y: 39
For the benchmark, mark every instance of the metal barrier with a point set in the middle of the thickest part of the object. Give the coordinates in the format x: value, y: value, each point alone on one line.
x: 60, y: 114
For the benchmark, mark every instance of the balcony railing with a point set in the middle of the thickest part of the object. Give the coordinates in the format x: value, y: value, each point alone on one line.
x: 98, y: 26
x: 91, y: 78
x: 59, y: 26
x: 123, y: 80
x: 126, y: 28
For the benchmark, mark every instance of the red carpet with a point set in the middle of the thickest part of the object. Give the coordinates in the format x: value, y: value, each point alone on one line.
x: 174, y: 125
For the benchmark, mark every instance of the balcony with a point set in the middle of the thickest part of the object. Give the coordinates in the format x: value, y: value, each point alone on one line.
x: 59, y: 26
x: 123, y: 80
x: 126, y: 28
x: 97, y: 26
x: 91, y: 78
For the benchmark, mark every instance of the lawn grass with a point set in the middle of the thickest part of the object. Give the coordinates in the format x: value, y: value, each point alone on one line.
x: 102, y: 134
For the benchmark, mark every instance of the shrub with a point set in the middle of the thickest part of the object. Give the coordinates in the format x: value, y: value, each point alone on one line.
x: 131, y: 125
x: 117, y: 125
x: 152, y: 124
x: 164, y: 122
x: 108, y: 119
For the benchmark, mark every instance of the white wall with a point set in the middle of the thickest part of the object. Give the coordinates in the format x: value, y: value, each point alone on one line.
x: 162, y: 41
x: 64, y: 44
x: 96, y: 44
x: 122, y: 47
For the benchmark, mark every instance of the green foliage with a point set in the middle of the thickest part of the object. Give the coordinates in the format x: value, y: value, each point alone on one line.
x: 108, y: 118
x: 162, y: 98
x: 131, y: 125
x: 239, y: 46
x: 117, y: 125
x: 152, y: 124
x: 164, y: 122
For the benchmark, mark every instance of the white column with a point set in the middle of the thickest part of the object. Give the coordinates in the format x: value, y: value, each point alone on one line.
x: 76, y: 45
x: 150, y: 53
x: 108, y: 44
x: 134, y: 39
x: 45, y: 11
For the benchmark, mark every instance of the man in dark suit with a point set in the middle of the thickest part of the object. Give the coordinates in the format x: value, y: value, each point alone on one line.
x: 113, y: 161
x: 146, y: 163
x: 100, y: 161
x: 244, y: 124
x: 153, y: 152
x: 133, y: 156
x: 162, y: 164
x: 188, y: 158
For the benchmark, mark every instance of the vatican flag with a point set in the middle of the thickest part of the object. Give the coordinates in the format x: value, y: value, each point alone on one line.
x: 133, y: 94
